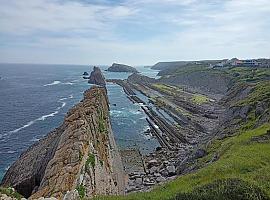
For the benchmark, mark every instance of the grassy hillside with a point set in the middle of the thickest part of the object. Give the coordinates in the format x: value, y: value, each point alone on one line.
x: 245, y: 157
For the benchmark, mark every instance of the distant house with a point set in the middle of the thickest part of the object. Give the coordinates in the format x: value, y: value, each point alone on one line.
x: 250, y: 63
x: 236, y: 62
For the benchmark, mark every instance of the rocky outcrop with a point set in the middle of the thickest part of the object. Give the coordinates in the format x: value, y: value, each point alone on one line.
x: 78, y: 158
x: 121, y: 68
x: 96, y: 77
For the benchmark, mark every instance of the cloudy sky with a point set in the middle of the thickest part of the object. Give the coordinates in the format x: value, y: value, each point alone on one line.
x: 138, y: 32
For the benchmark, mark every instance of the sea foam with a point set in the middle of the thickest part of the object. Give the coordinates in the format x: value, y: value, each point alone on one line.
x: 44, y: 117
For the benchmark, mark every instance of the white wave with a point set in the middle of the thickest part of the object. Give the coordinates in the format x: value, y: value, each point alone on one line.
x: 68, y: 83
x: 42, y: 118
x: 7, y: 168
x: 53, y: 83
x: 116, y: 113
x: 11, y: 152
x: 62, y: 99
x: 59, y: 82
x: 135, y: 112
x: 34, y: 139
x: 23, y: 127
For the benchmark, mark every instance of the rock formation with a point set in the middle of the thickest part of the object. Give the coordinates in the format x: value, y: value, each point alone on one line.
x: 121, y: 68
x: 78, y: 158
x: 96, y: 77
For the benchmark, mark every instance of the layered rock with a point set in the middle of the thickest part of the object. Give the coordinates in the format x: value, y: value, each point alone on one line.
x: 96, y: 77
x: 78, y: 158
x: 121, y: 68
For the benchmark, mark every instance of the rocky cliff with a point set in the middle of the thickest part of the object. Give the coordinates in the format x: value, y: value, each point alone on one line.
x: 80, y: 158
x: 121, y: 68
x: 96, y: 77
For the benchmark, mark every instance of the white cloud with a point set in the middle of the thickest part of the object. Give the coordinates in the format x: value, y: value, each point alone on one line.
x: 135, y: 32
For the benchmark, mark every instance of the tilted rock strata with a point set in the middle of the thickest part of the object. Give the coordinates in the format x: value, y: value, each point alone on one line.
x: 81, y: 154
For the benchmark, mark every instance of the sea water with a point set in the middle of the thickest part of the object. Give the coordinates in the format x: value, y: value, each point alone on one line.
x: 35, y: 98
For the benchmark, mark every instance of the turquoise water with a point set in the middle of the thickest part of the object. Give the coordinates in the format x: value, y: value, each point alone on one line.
x: 35, y: 98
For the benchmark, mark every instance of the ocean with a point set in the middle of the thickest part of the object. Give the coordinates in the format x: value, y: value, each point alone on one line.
x: 35, y: 98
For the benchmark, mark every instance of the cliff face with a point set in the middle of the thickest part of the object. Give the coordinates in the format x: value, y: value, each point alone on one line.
x: 96, y: 77
x: 81, y: 154
x: 121, y: 68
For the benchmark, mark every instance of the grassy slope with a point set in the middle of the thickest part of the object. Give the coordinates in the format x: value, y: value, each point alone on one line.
x: 239, y: 157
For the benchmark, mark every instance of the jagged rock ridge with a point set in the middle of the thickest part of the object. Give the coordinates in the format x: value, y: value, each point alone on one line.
x: 96, y: 77
x: 81, y: 154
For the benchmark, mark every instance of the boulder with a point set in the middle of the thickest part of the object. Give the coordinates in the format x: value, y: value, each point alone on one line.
x: 171, y: 170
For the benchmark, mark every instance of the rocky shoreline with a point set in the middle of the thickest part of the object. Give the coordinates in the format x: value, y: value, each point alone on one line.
x: 180, y: 146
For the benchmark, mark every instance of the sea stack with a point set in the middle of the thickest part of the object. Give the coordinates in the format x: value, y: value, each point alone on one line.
x: 121, y: 68
x: 96, y: 77
x: 79, y: 159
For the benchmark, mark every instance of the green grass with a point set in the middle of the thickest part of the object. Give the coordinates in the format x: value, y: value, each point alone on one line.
x: 90, y: 160
x: 239, y: 158
x: 227, y: 189
x: 261, y: 92
x: 200, y: 99
x: 81, y: 191
x: 167, y: 89
x: 9, y: 192
x: 249, y: 74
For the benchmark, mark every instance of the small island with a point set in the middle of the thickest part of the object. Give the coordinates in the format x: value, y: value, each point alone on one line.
x: 121, y: 68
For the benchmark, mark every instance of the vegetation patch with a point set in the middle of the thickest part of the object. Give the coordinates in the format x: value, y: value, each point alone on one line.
x: 261, y: 92
x: 10, y: 192
x: 90, y: 160
x: 200, y: 99
x: 81, y: 190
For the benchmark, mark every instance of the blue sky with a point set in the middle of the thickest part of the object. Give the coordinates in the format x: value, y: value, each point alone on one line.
x: 140, y: 32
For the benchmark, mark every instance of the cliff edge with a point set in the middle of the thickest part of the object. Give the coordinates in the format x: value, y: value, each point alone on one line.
x: 80, y: 158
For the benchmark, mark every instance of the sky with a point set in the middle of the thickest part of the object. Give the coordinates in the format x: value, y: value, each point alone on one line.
x: 135, y: 32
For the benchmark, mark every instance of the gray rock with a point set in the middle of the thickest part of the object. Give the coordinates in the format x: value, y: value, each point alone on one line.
x: 200, y: 153
x: 171, y: 170
x: 152, y: 163
x: 138, y: 181
x: 153, y: 170
x: 160, y: 179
